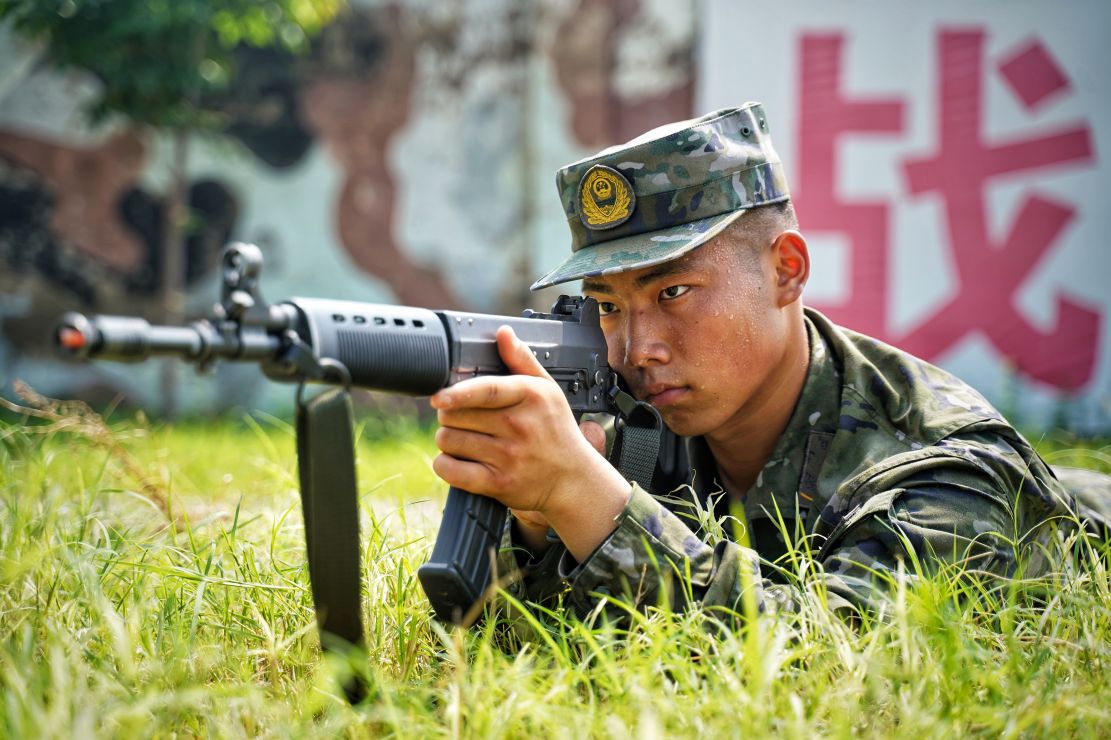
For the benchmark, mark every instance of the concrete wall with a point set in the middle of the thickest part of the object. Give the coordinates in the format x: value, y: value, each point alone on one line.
x: 949, y: 164
x: 409, y: 158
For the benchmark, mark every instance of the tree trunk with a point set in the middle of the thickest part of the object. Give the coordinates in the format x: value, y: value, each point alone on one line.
x: 173, y: 264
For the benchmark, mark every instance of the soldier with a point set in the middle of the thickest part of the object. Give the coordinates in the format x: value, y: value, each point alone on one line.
x: 804, y: 430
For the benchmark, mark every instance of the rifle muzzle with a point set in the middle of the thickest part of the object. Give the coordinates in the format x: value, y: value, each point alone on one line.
x: 123, y: 338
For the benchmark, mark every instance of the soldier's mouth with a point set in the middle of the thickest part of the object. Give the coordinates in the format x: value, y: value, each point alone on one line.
x: 665, y: 395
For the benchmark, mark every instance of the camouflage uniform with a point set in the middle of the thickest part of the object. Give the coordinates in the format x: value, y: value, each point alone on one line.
x: 883, y: 451
x: 884, y: 454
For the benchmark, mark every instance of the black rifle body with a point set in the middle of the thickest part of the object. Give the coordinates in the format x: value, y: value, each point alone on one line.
x: 398, y: 349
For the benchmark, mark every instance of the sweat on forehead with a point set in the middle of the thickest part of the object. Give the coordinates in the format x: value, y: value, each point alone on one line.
x: 744, y: 238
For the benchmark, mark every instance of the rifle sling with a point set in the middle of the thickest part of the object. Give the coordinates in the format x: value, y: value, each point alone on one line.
x: 639, y: 450
x: 329, y: 499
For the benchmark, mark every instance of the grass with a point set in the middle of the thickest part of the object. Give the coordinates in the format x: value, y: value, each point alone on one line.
x: 152, y: 583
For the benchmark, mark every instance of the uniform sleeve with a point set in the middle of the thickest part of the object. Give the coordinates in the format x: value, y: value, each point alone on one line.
x: 651, y: 558
x: 981, y: 508
x: 527, y: 577
x: 915, y: 530
x: 952, y: 511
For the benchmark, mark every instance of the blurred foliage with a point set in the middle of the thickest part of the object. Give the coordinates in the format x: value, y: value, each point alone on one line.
x: 157, y: 59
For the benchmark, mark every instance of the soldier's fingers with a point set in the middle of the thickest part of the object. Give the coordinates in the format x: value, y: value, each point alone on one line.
x: 489, y: 392
x: 517, y: 356
x: 595, y: 435
x: 469, y: 476
x: 487, y: 421
x: 465, y: 445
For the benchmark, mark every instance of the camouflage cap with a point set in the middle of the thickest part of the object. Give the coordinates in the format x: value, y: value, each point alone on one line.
x: 666, y: 192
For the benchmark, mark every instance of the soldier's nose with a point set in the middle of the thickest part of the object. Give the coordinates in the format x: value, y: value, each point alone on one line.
x: 645, y: 347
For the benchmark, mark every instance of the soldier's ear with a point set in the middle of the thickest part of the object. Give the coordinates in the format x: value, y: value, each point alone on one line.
x: 791, y: 259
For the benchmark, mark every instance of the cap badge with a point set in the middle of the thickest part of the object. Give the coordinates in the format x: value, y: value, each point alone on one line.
x: 606, y: 199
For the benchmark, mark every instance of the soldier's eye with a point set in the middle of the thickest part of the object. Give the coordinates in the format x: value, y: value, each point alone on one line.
x: 674, y: 292
x: 605, y: 308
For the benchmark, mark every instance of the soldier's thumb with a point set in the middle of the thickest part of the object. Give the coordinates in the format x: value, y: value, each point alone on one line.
x: 517, y: 356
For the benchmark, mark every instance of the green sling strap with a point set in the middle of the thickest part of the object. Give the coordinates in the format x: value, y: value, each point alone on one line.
x: 329, y: 499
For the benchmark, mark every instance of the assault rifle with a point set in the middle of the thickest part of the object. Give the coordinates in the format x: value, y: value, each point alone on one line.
x: 398, y: 349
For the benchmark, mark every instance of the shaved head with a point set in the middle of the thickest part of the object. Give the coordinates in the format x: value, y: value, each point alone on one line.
x: 759, y: 227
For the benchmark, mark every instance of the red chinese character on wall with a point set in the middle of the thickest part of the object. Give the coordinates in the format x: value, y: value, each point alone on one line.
x: 826, y: 114
x: 989, y: 269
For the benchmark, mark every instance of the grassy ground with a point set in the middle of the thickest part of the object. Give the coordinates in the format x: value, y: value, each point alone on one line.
x: 152, y: 583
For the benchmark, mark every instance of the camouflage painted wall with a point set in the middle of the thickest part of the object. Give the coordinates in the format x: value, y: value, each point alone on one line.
x: 407, y: 158
x: 410, y: 157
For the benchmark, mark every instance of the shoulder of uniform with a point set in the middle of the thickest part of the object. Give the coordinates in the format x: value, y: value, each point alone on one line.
x: 918, y: 399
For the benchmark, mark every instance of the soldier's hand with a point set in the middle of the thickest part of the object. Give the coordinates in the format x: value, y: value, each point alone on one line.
x: 532, y: 526
x: 514, y: 438
x: 596, y: 436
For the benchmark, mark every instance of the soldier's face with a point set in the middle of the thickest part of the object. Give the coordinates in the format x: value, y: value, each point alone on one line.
x: 703, y: 338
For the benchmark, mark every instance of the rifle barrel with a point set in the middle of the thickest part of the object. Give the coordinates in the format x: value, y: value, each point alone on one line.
x: 132, y: 339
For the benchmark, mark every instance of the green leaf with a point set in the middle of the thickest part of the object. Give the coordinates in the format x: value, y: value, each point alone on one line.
x: 157, y: 59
